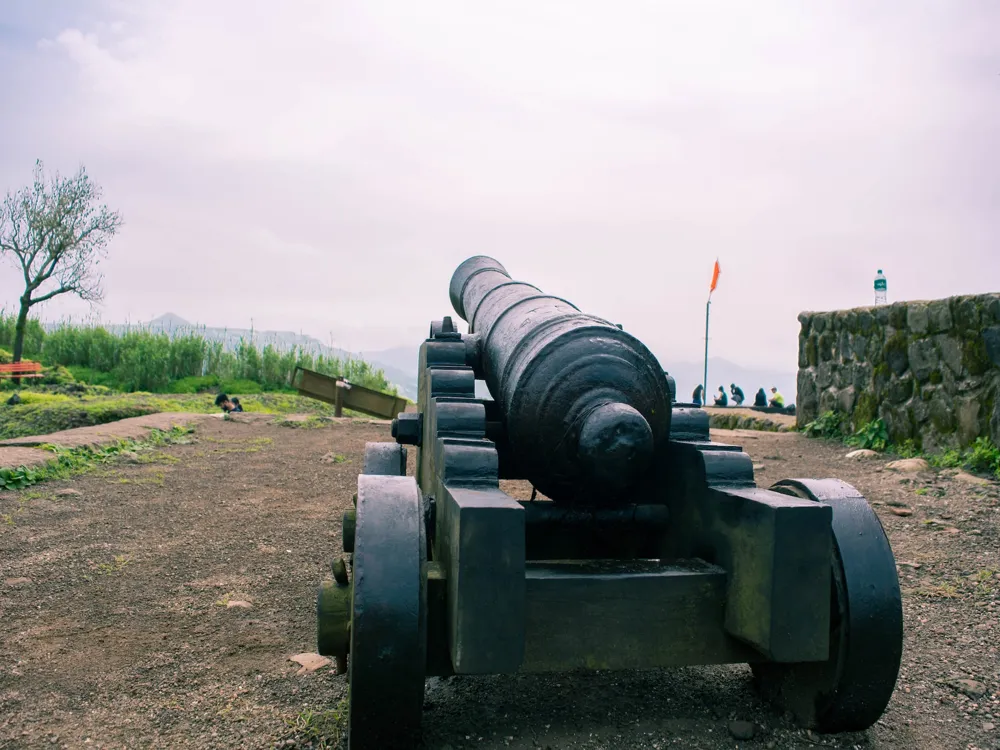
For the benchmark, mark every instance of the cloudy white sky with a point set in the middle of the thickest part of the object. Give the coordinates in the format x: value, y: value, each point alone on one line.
x: 323, y: 165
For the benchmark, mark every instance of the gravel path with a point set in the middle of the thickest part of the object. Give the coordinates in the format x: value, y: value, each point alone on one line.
x: 157, y: 604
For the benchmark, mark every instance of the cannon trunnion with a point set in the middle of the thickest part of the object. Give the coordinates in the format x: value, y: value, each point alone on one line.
x: 653, y: 546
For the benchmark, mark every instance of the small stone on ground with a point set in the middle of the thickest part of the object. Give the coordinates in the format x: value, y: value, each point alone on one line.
x: 862, y: 453
x: 971, y: 688
x: 909, y: 465
x: 309, y: 662
x: 741, y: 730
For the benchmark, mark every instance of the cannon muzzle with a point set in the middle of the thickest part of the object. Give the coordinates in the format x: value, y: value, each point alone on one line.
x: 585, y: 405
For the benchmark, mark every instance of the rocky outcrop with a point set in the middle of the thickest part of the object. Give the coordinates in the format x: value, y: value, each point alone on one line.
x: 929, y: 370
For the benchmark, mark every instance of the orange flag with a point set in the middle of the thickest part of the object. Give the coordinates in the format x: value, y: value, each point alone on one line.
x: 715, y: 277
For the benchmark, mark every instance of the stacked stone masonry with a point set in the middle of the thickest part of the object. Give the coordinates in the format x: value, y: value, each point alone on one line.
x: 929, y: 370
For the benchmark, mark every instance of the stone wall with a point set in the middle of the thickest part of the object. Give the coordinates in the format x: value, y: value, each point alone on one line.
x: 930, y: 370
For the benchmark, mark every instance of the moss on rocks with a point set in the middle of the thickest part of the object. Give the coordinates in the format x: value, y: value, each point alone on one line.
x: 966, y: 314
x: 917, y: 319
x: 935, y: 377
x: 827, y: 342
x: 942, y: 417
x: 897, y: 315
x: 895, y: 353
x: 866, y: 408
x: 974, y: 356
x: 812, y: 354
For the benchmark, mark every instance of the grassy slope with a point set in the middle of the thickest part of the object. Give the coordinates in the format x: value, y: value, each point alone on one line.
x: 44, y: 413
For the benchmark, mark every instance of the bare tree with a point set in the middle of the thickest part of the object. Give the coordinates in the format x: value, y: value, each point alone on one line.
x: 57, y: 234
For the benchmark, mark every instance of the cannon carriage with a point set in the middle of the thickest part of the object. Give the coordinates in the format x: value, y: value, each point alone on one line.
x: 652, y: 546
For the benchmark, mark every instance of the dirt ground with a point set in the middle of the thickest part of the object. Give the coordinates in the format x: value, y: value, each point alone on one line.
x: 156, y: 604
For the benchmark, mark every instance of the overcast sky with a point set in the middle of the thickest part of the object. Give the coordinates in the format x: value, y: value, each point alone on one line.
x: 323, y: 166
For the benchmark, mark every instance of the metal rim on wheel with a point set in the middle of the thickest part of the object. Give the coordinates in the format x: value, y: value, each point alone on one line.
x: 849, y: 691
x: 388, y: 650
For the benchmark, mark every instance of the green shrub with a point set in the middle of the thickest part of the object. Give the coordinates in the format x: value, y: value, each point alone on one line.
x: 198, y: 384
x: 874, y: 436
x: 91, y: 376
x: 239, y: 387
x: 828, y: 425
x: 983, y: 457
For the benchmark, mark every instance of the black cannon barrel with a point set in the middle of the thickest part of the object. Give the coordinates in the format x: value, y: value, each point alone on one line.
x: 586, y: 406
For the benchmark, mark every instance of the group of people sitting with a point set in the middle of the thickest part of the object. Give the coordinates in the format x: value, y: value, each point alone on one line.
x: 722, y: 398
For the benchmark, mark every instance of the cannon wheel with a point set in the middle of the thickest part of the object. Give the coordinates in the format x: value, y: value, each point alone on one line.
x: 388, y: 649
x: 851, y: 690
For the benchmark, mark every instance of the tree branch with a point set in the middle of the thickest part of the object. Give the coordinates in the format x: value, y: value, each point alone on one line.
x: 53, y: 293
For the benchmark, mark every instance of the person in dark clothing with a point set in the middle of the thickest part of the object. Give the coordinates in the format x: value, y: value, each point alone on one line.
x: 227, y: 404
x: 722, y: 399
x: 738, y: 397
x: 760, y: 399
x: 696, y: 396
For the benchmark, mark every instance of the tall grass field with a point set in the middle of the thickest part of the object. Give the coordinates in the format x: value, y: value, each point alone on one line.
x: 93, y: 376
x: 141, y: 360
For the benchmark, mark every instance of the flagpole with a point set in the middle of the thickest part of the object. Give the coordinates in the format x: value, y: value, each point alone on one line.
x: 704, y: 385
x: 708, y: 309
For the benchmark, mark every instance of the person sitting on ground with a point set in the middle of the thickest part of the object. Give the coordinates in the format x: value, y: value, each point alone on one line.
x: 738, y: 396
x: 777, y: 400
x: 226, y: 404
x: 761, y: 398
x: 722, y: 399
x: 696, y: 396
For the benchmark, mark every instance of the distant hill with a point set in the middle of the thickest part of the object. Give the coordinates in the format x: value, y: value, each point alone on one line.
x: 174, y: 325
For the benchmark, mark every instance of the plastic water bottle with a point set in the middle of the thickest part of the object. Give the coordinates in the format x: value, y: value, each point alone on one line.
x: 880, y: 288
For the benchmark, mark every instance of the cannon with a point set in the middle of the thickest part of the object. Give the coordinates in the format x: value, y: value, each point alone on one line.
x: 644, y: 544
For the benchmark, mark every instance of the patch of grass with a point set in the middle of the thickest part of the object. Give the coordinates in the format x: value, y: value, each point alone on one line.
x: 921, y: 491
x: 257, y: 441
x: 983, y: 582
x: 309, y: 423
x: 68, y: 462
x: 319, y: 729
x: 935, y: 591
x: 42, y: 413
x: 116, y: 566
x: 155, y: 478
